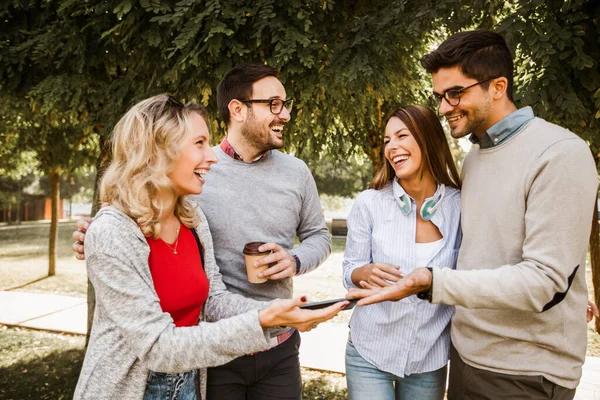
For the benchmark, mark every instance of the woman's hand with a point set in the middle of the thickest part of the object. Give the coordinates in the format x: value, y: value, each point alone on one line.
x: 377, y: 274
x: 287, y: 313
x: 592, y: 311
x: 417, y: 281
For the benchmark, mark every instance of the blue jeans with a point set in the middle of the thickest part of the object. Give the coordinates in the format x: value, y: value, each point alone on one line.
x: 171, y: 386
x: 367, y: 382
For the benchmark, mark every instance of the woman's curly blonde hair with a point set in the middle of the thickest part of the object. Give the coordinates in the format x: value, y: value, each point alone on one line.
x: 145, y: 142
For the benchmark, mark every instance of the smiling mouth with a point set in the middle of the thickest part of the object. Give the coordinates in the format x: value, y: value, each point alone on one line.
x: 201, y: 173
x: 398, y: 160
x: 454, y: 118
x: 277, y: 128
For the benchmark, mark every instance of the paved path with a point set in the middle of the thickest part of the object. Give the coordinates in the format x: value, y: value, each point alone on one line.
x: 322, y: 348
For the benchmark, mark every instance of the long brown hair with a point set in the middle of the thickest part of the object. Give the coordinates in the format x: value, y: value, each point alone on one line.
x: 427, y: 130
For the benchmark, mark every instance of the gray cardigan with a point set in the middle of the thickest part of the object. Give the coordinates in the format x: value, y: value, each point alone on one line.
x: 131, y: 335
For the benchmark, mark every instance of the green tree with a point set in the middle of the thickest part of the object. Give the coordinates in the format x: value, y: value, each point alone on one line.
x: 58, y: 144
x: 341, y: 178
x: 16, y: 170
x: 334, y: 58
x: 44, y: 98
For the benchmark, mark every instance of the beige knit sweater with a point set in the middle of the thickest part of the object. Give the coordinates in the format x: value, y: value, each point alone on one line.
x: 519, y: 287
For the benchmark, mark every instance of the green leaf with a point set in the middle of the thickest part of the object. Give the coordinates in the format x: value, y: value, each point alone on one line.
x: 122, y: 8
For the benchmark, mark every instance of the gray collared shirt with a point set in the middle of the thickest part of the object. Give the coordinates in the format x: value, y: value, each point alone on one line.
x: 504, y: 129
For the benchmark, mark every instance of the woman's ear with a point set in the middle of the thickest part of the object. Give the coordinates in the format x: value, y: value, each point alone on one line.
x: 237, y: 110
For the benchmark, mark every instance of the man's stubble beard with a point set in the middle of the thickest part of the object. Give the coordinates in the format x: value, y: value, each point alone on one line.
x: 258, y: 136
x: 475, y: 117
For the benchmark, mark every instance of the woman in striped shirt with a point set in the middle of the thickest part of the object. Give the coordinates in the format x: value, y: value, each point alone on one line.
x: 409, y: 218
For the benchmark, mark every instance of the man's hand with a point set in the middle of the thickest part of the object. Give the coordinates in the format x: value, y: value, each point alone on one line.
x: 79, y: 237
x: 283, y: 264
x: 592, y: 311
x: 376, y: 274
x: 417, y: 281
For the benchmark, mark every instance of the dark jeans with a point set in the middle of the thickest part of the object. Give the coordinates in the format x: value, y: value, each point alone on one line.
x: 469, y: 383
x: 269, y: 375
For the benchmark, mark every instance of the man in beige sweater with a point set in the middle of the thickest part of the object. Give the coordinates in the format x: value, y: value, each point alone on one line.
x: 519, y: 330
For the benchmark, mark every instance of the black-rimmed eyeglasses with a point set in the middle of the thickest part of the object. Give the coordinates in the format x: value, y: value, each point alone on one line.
x: 275, y: 105
x: 452, y: 96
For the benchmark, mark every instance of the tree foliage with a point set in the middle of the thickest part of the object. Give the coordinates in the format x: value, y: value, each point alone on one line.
x: 343, y: 62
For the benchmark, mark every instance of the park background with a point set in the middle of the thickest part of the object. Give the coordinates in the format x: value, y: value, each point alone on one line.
x: 69, y: 69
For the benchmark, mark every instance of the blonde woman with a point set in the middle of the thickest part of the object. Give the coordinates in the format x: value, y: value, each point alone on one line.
x: 150, y: 259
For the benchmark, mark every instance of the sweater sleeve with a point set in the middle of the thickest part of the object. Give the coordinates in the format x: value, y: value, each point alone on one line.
x: 560, y: 199
x: 130, y: 305
x: 221, y: 303
x: 358, y: 241
x: 315, y: 241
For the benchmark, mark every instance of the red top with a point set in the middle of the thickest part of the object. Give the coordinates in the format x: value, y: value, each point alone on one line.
x: 179, y: 279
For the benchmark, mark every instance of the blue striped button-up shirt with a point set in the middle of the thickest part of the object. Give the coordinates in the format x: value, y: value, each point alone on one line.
x: 409, y: 336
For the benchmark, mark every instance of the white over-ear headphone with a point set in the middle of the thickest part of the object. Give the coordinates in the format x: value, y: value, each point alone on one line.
x: 428, y: 207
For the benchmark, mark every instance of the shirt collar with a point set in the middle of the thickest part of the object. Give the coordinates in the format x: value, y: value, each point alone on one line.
x: 230, y: 151
x: 504, y: 129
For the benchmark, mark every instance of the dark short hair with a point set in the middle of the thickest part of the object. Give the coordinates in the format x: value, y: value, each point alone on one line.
x: 237, y: 84
x: 479, y: 54
x: 436, y: 157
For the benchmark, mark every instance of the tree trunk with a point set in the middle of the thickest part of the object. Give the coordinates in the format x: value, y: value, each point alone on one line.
x: 595, y: 259
x: 19, y: 204
x: 55, y: 196
x: 101, y: 164
x: 375, y: 141
x: 375, y: 149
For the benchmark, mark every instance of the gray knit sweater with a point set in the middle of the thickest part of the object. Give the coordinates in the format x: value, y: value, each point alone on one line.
x: 519, y: 287
x: 271, y: 200
x: 132, y: 335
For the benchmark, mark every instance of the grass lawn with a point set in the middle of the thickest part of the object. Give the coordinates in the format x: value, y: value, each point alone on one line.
x: 44, y: 365
x: 40, y: 365
x: 24, y: 259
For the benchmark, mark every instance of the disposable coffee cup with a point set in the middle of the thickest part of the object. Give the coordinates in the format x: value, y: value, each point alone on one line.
x: 251, y: 254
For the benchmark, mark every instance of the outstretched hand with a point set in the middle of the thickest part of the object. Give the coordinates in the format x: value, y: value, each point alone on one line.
x: 417, y: 281
x: 287, y: 313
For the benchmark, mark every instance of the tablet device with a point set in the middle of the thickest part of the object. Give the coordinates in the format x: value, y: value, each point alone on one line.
x: 322, y: 304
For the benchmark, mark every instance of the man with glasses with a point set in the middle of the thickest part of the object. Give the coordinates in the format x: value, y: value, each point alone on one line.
x: 519, y: 330
x: 257, y: 193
